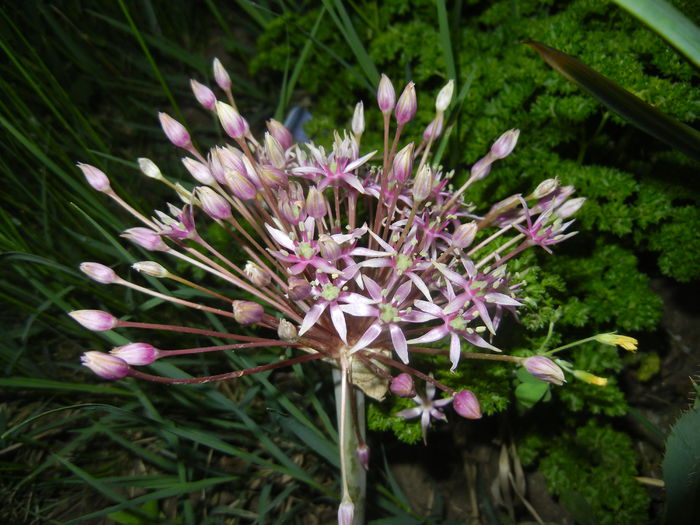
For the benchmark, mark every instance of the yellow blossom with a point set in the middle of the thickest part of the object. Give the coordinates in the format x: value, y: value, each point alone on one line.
x: 590, y: 378
x: 626, y: 342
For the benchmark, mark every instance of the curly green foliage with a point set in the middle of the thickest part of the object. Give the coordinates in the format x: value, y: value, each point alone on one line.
x: 605, y: 465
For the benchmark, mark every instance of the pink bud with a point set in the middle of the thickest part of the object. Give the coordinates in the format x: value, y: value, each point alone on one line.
x: 433, y: 130
x: 221, y: 75
x: 570, y: 207
x: 137, y: 354
x: 146, y: 238
x: 105, y: 365
x: 240, y: 186
x: 346, y: 513
x: 247, y: 312
x: 299, y: 289
x: 204, y: 95
x: 213, y: 204
x: 199, y: 171
x: 257, y: 275
x: 363, y: 455
x: 274, y: 151
x: 95, y: 320
x: 481, y: 168
x: 423, y: 184
x: 273, y: 177
x: 358, y: 119
x: 316, y: 203
x: 216, y: 165
x: 386, y: 96
x: 281, y: 133
x: 330, y: 250
x: 545, y: 187
x: 403, y: 164
x: 464, y: 234
x: 402, y: 386
x: 233, y: 123
x: 466, y: 404
x: 544, y: 369
x: 98, y: 272
x: 95, y: 177
x: 505, y: 144
x: 176, y: 132
x: 407, y: 105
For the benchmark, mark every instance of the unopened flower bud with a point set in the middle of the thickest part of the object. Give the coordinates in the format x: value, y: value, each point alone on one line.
x: 137, y: 354
x: 402, y: 386
x: 151, y: 268
x: 346, y: 513
x: 233, y: 123
x: 358, y: 119
x: 433, y: 130
x: 281, y: 133
x: 105, y: 365
x: 467, y: 405
x: 286, y: 331
x: 176, y: 132
x: 95, y: 320
x: 274, y: 151
x: 146, y: 238
x: 99, y: 272
x: 407, y: 105
x: 403, y: 163
x: 330, y: 250
x: 386, y: 96
x: 423, y: 184
x: 626, y: 342
x: 570, y: 207
x: 213, y: 204
x: 199, y: 171
x: 221, y: 76
x: 590, y: 378
x: 273, y: 177
x: 544, y: 369
x: 204, y: 95
x: 505, y: 144
x: 95, y: 177
x: 239, y: 185
x: 247, y: 312
x: 363, y: 455
x: 445, y: 97
x: 481, y: 168
x: 316, y: 203
x: 298, y: 289
x: 545, y: 187
x: 149, y: 168
x: 464, y: 234
x: 257, y: 275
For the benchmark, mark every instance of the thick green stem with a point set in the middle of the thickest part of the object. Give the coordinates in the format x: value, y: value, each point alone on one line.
x: 354, y: 478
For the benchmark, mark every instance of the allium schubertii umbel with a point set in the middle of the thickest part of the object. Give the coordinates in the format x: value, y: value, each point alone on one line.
x: 359, y: 259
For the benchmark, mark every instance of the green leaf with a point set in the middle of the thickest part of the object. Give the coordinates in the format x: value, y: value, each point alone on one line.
x: 619, y: 100
x: 681, y: 467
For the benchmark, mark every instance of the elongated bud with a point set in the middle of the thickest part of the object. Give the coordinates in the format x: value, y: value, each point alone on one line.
x: 136, y: 354
x: 240, y: 186
x: 95, y: 177
x: 204, y: 95
x: 363, y: 455
x: 403, y: 164
x: 151, y: 268
x: 233, y: 123
x: 505, y: 144
x: 247, y: 312
x: 624, y: 341
x: 176, y: 132
x: 146, y: 238
x: 274, y: 151
x: 445, y: 97
x: 481, y: 168
x: 213, y: 204
x: 464, y: 234
x: 272, y: 177
x: 198, y: 171
x: 346, y: 512
x: 315, y: 203
x: 95, y: 320
x: 386, y: 96
x: 407, y: 105
x: 402, y: 386
x: 423, y: 184
x: 330, y: 250
x: 149, y: 168
x: 433, y: 130
x: 281, y: 133
x: 286, y: 331
x: 105, y: 365
x: 221, y: 76
x: 298, y: 289
x: 545, y: 187
x: 590, y: 378
x: 570, y: 207
x: 358, y: 120
x: 257, y: 275
x: 99, y: 272
x: 467, y: 405
x: 544, y: 369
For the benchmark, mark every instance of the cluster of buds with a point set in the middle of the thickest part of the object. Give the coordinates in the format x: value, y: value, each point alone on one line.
x: 357, y: 259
